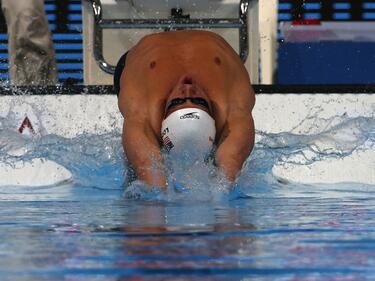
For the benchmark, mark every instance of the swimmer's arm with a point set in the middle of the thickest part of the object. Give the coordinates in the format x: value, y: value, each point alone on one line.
x: 235, y: 145
x: 143, y: 152
x: 236, y: 141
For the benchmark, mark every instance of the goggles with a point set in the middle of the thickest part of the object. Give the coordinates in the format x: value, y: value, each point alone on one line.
x: 197, y: 101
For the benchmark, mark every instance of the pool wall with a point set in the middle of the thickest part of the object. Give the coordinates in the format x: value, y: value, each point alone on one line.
x: 69, y: 114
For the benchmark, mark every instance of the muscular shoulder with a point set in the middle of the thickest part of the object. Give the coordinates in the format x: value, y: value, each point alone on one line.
x: 184, y: 33
x: 181, y: 35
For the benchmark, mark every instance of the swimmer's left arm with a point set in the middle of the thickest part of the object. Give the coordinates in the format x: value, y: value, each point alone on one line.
x: 236, y: 144
x: 237, y: 138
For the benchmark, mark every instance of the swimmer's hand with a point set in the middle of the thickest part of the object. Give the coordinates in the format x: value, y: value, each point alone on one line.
x: 138, y: 190
x: 237, y: 193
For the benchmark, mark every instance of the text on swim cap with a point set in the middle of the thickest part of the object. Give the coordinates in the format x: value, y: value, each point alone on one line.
x: 192, y: 115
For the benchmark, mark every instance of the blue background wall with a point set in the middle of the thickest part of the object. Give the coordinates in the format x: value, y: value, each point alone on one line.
x: 326, y: 62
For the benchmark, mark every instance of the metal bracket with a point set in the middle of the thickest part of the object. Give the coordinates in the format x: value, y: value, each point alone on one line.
x: 241, y: 23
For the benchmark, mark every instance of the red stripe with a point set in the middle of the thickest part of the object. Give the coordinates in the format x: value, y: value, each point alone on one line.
x: 26, y: 124
x: 307, y: 22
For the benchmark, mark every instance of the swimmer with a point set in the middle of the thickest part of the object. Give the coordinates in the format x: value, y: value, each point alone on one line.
x: 184, y: 85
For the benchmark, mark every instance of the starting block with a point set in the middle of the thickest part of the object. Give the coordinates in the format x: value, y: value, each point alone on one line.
x: 123, y: 23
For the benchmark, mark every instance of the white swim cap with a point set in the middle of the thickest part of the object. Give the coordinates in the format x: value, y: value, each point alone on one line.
x: 188, y: 131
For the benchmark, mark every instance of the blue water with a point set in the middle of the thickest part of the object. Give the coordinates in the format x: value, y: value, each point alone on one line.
x: 87, y: 228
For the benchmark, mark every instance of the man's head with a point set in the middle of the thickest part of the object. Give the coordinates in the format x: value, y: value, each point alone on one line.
x: 188, y: 125
x: 187, y: 93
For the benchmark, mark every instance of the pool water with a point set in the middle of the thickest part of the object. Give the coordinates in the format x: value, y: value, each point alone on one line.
x: 88, y: 228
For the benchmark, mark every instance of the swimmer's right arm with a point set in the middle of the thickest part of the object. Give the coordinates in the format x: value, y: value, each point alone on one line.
x: 142, y: 150
x: 140, y: 143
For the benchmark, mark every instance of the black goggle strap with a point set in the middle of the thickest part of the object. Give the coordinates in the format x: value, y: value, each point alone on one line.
x: 178, y: 101
x: 200, y: 101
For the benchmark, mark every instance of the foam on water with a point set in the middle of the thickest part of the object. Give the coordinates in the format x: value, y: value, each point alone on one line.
x: 97, y: 160
x: 338, y: 140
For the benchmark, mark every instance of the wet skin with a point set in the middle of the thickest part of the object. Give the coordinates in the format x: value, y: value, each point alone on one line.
x: 180, y: 64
